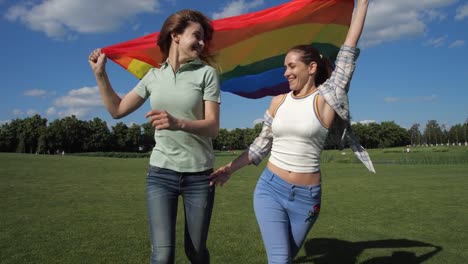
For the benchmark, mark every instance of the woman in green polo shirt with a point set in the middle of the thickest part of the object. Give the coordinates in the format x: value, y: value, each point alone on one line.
x: 185, y: 96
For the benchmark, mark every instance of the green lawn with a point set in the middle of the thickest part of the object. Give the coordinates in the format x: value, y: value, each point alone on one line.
x: 66, y: 209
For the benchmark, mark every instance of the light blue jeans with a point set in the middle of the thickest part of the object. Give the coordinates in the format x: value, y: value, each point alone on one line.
x: 285, y: 214
x: 163, y: 187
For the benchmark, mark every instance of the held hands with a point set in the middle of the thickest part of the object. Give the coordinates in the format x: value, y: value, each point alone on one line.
x: 221, y: 175
x: 161, y: 119
x: 97, y: 61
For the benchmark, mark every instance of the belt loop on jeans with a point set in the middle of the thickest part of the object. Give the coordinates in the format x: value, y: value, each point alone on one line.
x: 272, y: 175
x: 314, y: 186
x: 292, y: 193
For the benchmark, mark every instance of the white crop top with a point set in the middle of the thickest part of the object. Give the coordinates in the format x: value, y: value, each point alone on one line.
x: 298, y: 134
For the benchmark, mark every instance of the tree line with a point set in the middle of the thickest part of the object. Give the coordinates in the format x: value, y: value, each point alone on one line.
x: 71, y: 135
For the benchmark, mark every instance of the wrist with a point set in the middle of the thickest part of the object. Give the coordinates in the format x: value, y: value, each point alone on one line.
x: 181, y: 124
x: 100, y: 73
x: 228, y: 168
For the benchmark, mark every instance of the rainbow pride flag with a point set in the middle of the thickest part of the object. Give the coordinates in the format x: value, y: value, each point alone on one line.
x: 250, y: 48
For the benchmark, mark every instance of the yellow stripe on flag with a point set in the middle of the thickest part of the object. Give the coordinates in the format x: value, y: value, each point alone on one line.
x: 139, y: 68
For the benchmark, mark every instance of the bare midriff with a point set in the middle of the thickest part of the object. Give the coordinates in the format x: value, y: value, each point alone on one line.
x: 296, y: 178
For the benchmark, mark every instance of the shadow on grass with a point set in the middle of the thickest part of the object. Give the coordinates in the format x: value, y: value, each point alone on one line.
x: 329, y: 250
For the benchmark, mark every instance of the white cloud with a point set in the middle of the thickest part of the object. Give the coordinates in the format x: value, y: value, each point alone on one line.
x: 35, y: 93
x: 62, y: 18
x: 237, y: 7
x: 435, y: 15
x: 17, y: 112
x: 392, y: 99
x: 51, y: 111
x: 136, y: 27
x: 78, y: 102
x: 257, y: 121
x: 424, y: 98
x: 437, y: 42
x: 363, y: 122
x: 397, y: 19
x: 2, y: 122
x: 457, y: 43
x: 462, y: 12
x: 31, y: 112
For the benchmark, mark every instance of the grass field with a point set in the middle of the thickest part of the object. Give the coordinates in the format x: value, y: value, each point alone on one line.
x: 66, y: 209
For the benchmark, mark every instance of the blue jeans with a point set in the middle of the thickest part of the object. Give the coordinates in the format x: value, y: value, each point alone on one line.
x: 163, y: 187
x: 285, y: 214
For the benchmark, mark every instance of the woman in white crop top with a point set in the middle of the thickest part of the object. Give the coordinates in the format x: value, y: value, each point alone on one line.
x: 288, y: 193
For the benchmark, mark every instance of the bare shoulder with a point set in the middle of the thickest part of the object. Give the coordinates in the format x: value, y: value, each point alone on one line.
x: 275, y: 103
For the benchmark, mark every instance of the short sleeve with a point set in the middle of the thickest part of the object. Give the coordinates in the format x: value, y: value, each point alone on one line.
x: 142, y: 88
x: 211, y: 91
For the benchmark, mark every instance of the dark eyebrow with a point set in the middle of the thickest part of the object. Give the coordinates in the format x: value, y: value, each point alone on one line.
x: 198, y: 33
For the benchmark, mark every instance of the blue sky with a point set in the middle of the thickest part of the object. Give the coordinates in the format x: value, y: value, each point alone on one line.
x: 413, y: 64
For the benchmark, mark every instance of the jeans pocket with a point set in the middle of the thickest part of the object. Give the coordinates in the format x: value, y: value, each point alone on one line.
x: 152, y: 170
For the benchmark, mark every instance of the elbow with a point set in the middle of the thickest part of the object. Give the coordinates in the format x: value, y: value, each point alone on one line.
x: 116, y: 115
x: 213, y: 129
x: 214, y: 132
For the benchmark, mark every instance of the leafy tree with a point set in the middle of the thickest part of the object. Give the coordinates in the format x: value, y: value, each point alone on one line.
x: 415, y: 134
x: 21, y: 147
x: 9, y: 135
x: 119, y: 133
x: 392, y: 135
x: 465, y: 127
x: 31, y: 128
x: 133, y: 138
x: 367, y: 134
x: 456, y: 134
x: 74, y: 131
x: 432, y: 132
x: 253, y: 133
x: 55, y: 136
x: 42, y: 141
x: 72, y: 135
x: 98, y: 137
x: 67, y: 134
x: 147, y: 136
x: 237, y: 139
x: 220, y: 141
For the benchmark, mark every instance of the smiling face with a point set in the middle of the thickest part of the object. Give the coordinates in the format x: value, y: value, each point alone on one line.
x: 190, y: 42
x: 299, y: 74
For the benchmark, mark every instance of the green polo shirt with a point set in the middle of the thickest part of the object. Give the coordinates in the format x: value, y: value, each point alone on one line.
x: 181, y: 94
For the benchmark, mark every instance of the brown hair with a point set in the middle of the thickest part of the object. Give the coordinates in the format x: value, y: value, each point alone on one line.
x: 310, y: 54
x: 176, y: 23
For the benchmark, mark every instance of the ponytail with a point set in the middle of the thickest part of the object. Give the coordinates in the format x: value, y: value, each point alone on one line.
x: 324, y: 70
x: 311, y: 54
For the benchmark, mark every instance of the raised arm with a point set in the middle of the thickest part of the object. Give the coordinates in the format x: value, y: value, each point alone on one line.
x: 357, y: 23
x: 115, y: 105
x: 334, y: 91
